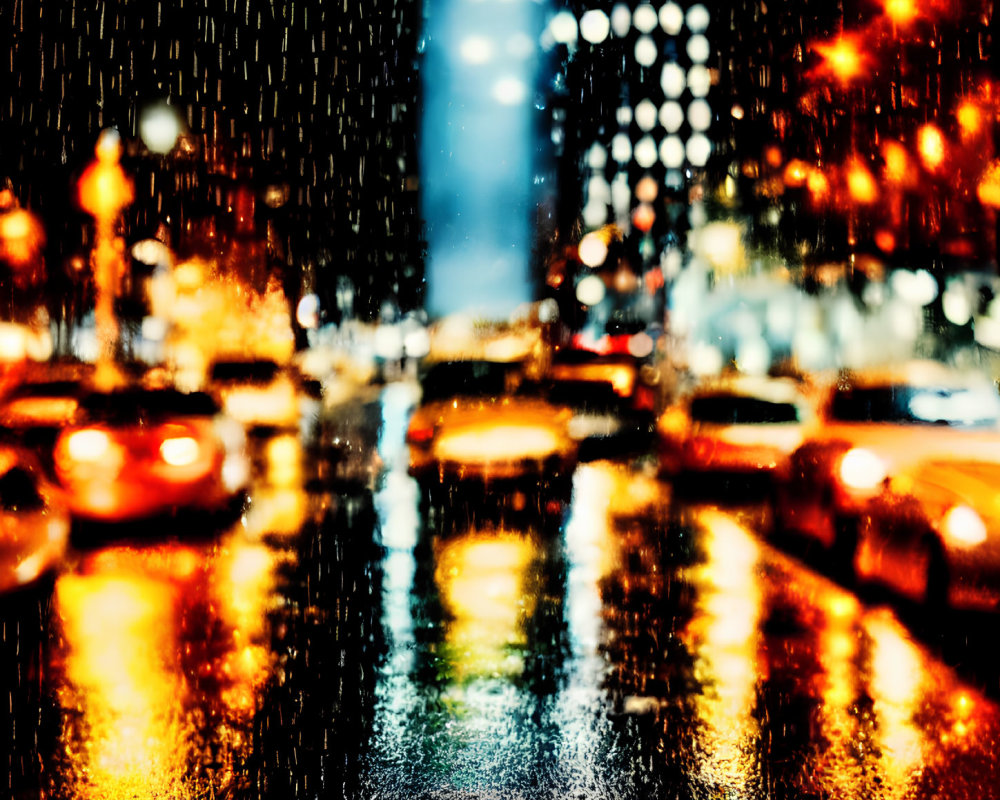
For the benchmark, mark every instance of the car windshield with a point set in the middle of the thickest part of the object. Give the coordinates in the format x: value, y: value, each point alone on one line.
x: 129, y: 406
x: 595, y: 396
x: 903, y: 404
x: 469, y: 379
x: 261, y: 371
x: 729, y: 409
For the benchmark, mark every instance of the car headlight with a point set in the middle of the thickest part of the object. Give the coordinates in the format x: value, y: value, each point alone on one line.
x: 861, y: 469
x: 498, y: 443
x: 964, y: 525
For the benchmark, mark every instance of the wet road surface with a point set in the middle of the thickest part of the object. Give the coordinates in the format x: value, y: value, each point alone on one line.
x: 347, y: 641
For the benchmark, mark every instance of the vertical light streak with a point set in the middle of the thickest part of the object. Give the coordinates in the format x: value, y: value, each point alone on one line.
x: 104, y: 190
x: 123, y: 678
x: 477, y: 154
x: 896, y: 686
x: 725, y: 640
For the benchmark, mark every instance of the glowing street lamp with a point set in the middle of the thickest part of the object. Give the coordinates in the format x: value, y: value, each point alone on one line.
x: 104, y: 190
x: 842, y: 58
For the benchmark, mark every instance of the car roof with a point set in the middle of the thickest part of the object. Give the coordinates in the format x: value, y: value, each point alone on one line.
x: 918, y: 373
x: 765, y: 387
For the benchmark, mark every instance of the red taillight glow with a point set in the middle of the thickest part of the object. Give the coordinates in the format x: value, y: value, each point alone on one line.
x: 419, y: 435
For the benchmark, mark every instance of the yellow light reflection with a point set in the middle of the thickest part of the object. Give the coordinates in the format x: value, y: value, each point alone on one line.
x: 725, y: 645
x: 860, y: 184
x: 246, y: 577
x: 931, y: 144
x: 818, y: 185
x: 899, y: 170
x: 21, y: 238
x: 277, y: 511
x: 104, y: 190
x: 895, y: 687
x: 838, y: 688
x: 483, y: 577
x: 901, y: 12
x: 721, y: 245
x: 988, y: 189
x: 970, y: 119
x: 146, y: 702
x: 88, y: 445
x: 796, y: 173
x: 284, y: 461
x: 122, y: 676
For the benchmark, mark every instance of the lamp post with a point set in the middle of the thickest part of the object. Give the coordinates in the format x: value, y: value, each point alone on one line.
x: 104, y: 190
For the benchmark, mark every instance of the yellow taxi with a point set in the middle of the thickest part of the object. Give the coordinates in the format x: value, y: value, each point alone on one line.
x: 34, y: 526
x: 876, y: 423
x: 480, y: 421
x: 932, y: 534
x: 738, y: 425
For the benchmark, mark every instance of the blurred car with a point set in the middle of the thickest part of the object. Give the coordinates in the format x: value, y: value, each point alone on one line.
x: 741, y: 426
x: 34, y: 526
x: 612, y: 397
x: 140, y: 453
x: 876, y: 423
x: 262, y: 394
x: 34, y: 411
x: 932, y: 534
x: 480, y: 421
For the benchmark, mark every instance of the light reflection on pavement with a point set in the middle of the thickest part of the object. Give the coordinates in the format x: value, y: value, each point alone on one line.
x: 349, y: 645
x: 694, y: 659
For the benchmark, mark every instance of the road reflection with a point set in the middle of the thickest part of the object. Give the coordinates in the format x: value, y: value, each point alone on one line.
x: 738, y: 671
x: 162, y: 656
x: 347, y: 644
x: 723, y: 637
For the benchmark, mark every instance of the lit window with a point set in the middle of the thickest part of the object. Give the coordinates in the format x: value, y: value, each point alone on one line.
x: 644, y: 18
x: 672, y: 151
x: 699, y: 115
x: 698, y: 149
x: 510, y: 91
x: 698, y: 49
x: 645, y: 152
x: 645, y: 115
x: 621, y: 148
x: 698, y: 18
x: 699, y: 80
x: 563, y: 27
x: 673, y: 80
x: 597, y: 156
x: 591, y: 290
x: 671, y: 18
x: 645, y: 51
x: 476, y: 50
x: 595, y: 26
x: 671, y: 116
x: 621, y: 20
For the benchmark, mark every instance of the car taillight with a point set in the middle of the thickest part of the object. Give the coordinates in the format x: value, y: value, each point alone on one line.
x: 89, y: 445
x: 644, y: 400
x: 419, y: 435
x: 180, y: 451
